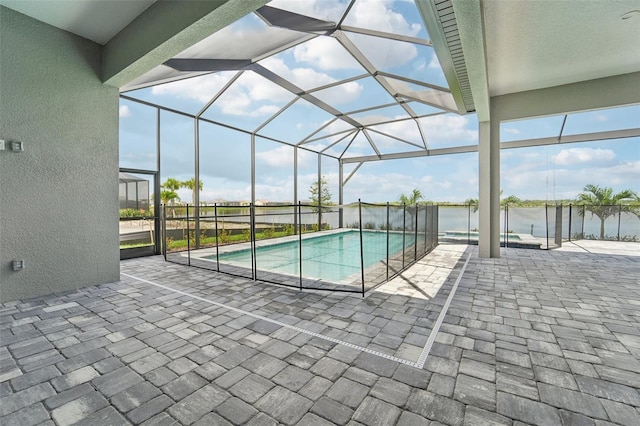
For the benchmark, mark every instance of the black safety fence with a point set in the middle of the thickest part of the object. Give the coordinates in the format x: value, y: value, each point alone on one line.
x: 348, y: 248
x: 543, y: 227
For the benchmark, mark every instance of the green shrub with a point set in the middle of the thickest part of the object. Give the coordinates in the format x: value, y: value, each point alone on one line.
x: 288, y: 229
x: 268, y: 233
x: 223, y: 236
x: 133, y: 213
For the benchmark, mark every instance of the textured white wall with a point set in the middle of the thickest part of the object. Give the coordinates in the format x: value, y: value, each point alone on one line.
x: 58, y: 198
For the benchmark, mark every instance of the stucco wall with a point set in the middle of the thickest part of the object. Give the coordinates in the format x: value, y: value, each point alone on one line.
x: 59, y: 197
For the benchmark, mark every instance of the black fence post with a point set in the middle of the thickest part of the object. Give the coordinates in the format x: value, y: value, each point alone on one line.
x: 215, y: 218
x: 435, y: 217
x: 252, y: 237
x: 546, y: 222
x: 427, y: 242
x: 387, y: 241
x: 506, y: 236
x: 570, y: 219
x: 404, y: 231
x: 164, y: 231
x: 196, y: 226
x: 506, y: 224
x: 361, y: 246
x: 415, y: 237
x: 469, y: 224
x: 619, y: 218
x: 188, y: 239
x: 300, y: 240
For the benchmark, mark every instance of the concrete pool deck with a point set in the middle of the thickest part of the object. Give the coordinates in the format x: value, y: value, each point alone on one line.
x: 534, y: 337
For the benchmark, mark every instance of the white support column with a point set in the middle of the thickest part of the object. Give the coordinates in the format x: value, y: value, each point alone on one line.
x: 489, y: 191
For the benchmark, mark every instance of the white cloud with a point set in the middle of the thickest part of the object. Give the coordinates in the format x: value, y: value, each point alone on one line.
x: 260, y: 89
x: 573, y: 156
x: 385, y: 54
x: 240, y: 99
x: 382, y: 187
x: 541, y: 182
x: 325, y: 53
x: 342, y: 94
x: 405, y: 129
x: 380, y: 16
x: 448, y: 128
x: 601, y: 118
x: 278, y: 157
x: 124, y: 111
x: 201, y: 88
x: 434, y: 62
x: 305, y: 78
x: 275, y: 191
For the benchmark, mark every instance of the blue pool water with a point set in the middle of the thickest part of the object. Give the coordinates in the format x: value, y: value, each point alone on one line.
x: 331, y: 257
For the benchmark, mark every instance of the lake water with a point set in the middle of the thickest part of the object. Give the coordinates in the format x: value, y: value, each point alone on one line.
x: 521, y: 220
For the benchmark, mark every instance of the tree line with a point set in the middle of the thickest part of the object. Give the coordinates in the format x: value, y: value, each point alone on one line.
x: 601, y: 202
x: 169, y: 194
x: 318, y: 195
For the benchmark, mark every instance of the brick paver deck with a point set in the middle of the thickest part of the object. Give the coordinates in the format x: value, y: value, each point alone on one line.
x: 534, y: 337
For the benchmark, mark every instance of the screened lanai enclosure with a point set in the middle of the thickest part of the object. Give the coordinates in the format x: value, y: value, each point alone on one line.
x: 133, y: 192
x: 295, y: 95
x: 251, y: 136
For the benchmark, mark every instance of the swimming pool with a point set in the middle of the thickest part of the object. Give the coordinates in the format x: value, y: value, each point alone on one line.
x: 334, y: 257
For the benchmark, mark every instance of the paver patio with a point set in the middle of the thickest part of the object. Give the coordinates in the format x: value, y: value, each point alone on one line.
x: 534, y: 337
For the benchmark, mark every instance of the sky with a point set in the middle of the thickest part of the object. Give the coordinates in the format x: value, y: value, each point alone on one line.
x: 254, y: 103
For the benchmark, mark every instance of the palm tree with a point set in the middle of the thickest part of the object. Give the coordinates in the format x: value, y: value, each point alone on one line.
x: 413, y: 198
x: 191, y: 184
x: 511, y: 199
x: 169, y: 194
x: 170, y: 186
x: 636, y: 206
x: 472, y: 202
x: 603, y: 203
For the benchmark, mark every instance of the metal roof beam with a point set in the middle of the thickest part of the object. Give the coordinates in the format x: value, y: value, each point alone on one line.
x: 338, y: 141
x: 583, y: 137
x: 352, y: 173
x: 275, y: 78
x: 307, y: 140
x: 383, y: 34
x: 394, y: 137
x: 373, y: 145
